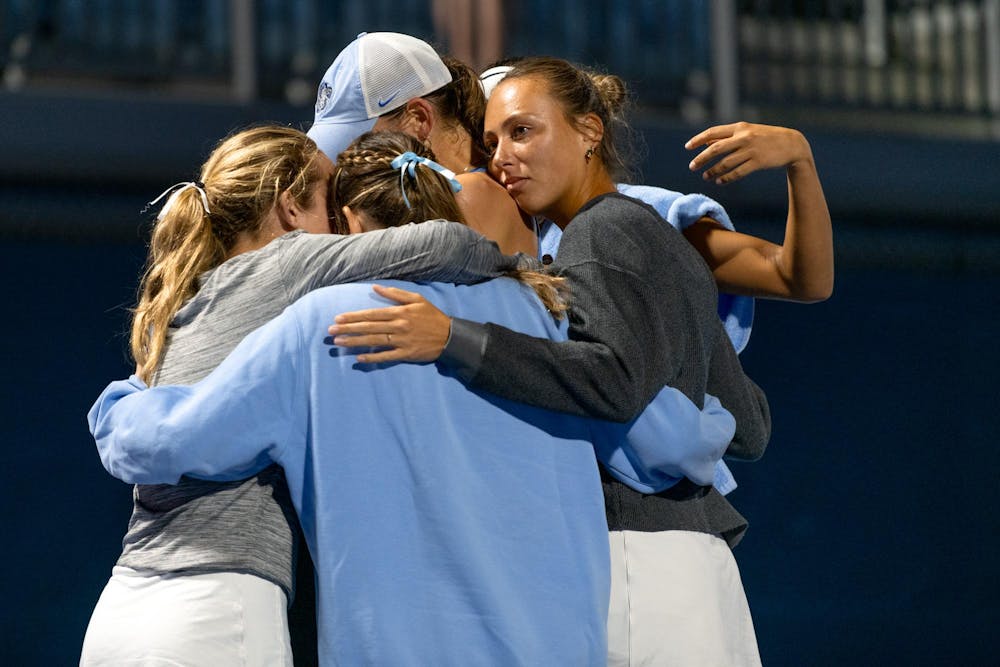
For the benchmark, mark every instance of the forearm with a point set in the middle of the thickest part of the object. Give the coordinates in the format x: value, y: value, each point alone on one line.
x: 151, y: 436
x: 801, y: 269
x: 671, y: 439
x: 228, y: 426
x: 581, y: 378
x: 429, y: 251
x: 806, y: 257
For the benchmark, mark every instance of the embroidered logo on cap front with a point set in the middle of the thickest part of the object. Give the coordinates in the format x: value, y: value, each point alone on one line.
x: 323, y: 97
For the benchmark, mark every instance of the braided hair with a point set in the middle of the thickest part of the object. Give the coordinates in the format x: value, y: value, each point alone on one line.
x: 365, y: 180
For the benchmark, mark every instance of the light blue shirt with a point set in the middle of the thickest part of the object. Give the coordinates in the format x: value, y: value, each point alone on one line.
x: 447, y: 527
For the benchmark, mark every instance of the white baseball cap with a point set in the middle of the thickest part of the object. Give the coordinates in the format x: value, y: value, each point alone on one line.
x: 375, y: 74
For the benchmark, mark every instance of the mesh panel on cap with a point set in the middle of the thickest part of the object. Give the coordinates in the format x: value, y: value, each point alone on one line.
x: 390, y: 77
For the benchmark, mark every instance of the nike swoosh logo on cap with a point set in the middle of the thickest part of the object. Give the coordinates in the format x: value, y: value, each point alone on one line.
x: 389, y: 99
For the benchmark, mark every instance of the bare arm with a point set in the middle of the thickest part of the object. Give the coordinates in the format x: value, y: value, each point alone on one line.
x: 801, y: 269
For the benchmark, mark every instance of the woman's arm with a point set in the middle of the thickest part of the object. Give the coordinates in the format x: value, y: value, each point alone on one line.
x: 801, y: 269
x: 671, y: 439
x: 232, y: 424
x: 435, y: 250
x: 635, y: 289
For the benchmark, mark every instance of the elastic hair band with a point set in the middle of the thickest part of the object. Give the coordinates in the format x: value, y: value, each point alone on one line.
x: 407, y: 164
x: 175, y: 190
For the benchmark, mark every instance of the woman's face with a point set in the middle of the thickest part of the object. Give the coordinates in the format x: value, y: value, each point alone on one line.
x: 537, y: 154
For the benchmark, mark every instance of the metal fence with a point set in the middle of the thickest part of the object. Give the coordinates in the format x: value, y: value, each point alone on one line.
x: 696, y: 59
x: 911, y: 57
x: 279, y: 48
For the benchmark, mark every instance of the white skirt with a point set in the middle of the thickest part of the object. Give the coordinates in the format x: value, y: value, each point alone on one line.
x: 677, y: 600
x: 216, y: 619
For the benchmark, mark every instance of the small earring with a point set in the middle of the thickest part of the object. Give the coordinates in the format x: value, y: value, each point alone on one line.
x: 589, y: 154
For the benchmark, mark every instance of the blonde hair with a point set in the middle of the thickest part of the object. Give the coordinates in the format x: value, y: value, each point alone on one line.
x: 242, y: 180
x: 365, y: 180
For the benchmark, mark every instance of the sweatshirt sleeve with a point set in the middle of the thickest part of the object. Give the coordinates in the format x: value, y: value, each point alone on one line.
x: 436, y: 250
x: 743, y: 398
x: 232, y: 424
x: 621, y: 350
x: 671, y: 439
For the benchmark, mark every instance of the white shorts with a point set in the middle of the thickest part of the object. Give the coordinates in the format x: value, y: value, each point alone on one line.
x: 677, y: 600
x: 216, y: 619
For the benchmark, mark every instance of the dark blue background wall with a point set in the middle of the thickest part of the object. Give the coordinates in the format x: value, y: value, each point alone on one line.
x: 873, y: 536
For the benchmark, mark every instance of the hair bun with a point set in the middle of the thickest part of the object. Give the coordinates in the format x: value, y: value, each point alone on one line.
x: 612, y: 91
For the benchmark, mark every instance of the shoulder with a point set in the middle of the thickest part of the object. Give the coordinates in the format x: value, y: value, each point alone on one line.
x: 615, y: 231
x: 482, y: 193
x: 618, y: 216
x: 659, y: 198
x: 680, y: 209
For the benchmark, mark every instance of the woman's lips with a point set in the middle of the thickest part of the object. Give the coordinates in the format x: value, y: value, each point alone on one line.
x: 514, y: 184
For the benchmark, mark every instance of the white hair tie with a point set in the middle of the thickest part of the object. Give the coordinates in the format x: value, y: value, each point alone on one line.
x: 175, y: 190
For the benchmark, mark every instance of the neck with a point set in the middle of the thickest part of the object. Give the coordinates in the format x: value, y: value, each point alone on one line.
x: 594, y: 185
x: 247, y: 241
x: 453, y: 149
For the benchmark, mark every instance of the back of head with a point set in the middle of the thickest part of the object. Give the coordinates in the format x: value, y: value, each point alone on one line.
x: 197, y: 228
x: 580, y: 91
x: 414, y: 189
x: 376, y: 73
x: 366, y: 181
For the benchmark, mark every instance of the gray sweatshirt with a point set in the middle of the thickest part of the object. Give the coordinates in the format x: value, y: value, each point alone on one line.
x: 643, y: 315
x: 250, y: 526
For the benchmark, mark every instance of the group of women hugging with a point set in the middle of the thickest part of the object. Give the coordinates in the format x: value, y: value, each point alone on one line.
x: 507, y: 448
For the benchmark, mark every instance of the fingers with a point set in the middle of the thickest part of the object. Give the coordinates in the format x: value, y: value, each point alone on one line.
x: 383, y: 357
x: 732, y: 168
x: 711, y: 135
x: 370, y: 315
x: 413, y: 331
x: 374, y: 339
x: 382, y: 314
x: 398, y: 295
x: 715, y: 151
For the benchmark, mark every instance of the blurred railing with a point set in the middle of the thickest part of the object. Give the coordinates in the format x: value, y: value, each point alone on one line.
x: 278, y: 49
x: 916, y: 60
x: 907, y: 59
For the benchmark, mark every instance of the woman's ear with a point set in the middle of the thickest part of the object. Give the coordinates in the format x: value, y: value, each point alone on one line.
x: 354, y: 224
x: 418, y: 120
x: 359, y: 221
x: 592, y: 128
x: 288, y: 212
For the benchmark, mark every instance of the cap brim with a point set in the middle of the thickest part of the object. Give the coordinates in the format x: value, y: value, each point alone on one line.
x: 332, y: 138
